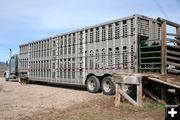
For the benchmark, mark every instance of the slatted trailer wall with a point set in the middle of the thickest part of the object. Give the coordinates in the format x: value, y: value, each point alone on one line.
x: 23, y: 64
x: 100, y: 49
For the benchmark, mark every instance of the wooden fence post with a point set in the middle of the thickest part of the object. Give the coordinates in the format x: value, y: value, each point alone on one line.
x: 122, y: 80
x: 117, y: 96
x: 163, y: 49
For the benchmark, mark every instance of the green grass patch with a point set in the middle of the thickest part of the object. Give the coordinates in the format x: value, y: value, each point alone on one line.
x: 154, y: 105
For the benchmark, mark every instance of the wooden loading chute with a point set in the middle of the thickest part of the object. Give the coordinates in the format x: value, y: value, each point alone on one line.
x: 170, y: 47
x: 159, y: 65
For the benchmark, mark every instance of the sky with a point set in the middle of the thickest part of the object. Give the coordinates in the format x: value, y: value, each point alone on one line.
x: 23, y: 21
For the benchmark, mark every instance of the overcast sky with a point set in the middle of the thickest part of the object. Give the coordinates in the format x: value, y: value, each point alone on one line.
x: 22, y: 21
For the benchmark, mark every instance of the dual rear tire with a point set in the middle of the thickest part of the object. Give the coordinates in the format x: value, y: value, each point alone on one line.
x: 107, y: 86
x: 93, y: 84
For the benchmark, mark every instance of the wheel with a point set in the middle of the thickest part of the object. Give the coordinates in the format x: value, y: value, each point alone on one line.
x: 108, y: 87
x: 93, y: 84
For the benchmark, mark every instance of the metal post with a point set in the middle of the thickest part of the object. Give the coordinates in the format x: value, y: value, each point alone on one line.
x: 10, y: 52
x: 10, y: 61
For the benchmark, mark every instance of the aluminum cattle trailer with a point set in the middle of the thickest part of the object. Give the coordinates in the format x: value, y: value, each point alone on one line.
x: 90, y: 55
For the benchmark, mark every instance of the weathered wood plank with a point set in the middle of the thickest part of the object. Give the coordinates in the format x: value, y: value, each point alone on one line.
x: 168, y: 22
x: 121, y: 80
x: 117, y: 96
x: 173, y: 64
x: 173, y: 47
x: 128, y: 97
x: 173, y: 58
x: 139, y: 92
x: 163, y: 49
x: 147, y: 92
x: 163, y: 82
x: 127, y: 79
x: 171, y: 34
x: 178, y: 37
x: 174, y: 70
x: 173, y: 52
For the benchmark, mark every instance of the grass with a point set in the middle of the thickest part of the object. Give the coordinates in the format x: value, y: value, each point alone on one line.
x: 103, y: 110
x: 155, y: 105
x: 151, y: 104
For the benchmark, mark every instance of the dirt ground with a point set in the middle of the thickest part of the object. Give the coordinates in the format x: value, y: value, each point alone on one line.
x: 3, y: 68
x: 57, y: 102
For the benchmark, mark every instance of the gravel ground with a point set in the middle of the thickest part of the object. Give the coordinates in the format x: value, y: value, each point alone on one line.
x: 57, y: 102
x: 17, y: 101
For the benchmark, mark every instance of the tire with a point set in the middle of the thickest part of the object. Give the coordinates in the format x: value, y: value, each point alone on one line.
x: 6, y: 77
x: 108, y: 86
x: 93, y: 84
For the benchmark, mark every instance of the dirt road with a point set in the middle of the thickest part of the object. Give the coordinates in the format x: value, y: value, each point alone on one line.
x: 18, y: 100
x: 50, y: 102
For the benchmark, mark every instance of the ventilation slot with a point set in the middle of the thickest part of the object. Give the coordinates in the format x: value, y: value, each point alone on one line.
x: 97, y: 35
x: 117, y: 58
x: 91, y: 36
x: 97, y: 59
x: 110, y: 57
x: 132, y: 56
x: 117, y: 31
x: 124, y: 29
x: 124, y: 57
x: 73, y: 68
x: 132, y: 27
x: 103, y: 58
x: 86, y: 60
x: 110, y: 33
x: 69, y: 67
x: 64, y: 68
x: 103, y: 34
x: 91, y: 59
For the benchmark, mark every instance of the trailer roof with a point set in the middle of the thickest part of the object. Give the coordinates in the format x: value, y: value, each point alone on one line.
x: 93, y: 26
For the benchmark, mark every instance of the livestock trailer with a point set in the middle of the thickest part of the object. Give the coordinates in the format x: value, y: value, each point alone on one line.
x: 88, y: 56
